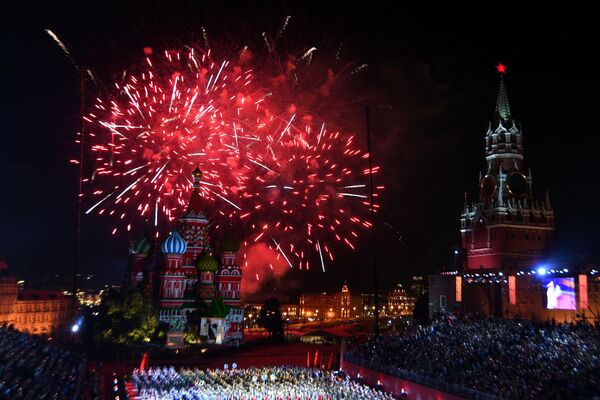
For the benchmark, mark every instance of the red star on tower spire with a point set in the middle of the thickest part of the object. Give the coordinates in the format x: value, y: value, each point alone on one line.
x: 501, y: 68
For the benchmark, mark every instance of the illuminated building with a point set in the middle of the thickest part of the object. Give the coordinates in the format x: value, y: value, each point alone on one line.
x: 89, y: 298
x: 253, y: 304
x: 330, y: 306
x: 290, y: 312
x: 417, y: 286
x: 400, y: 303
x: 508, y: 233
x: 319, y: 306
x: 33, y: 311
x: 368, y: 305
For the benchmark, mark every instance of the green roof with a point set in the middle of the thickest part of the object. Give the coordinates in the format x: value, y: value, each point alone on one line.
x: 141, y: 245
x: 207, y: 263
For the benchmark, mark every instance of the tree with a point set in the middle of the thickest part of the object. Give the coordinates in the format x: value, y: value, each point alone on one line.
x: 126, y: 318
x: 270, y: 318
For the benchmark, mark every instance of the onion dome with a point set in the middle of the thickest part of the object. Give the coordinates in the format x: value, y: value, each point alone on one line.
x: 174, y: 244
x: 194, y: 208
x: 141, y: 245
x: 230, y: 242
x: 207, y: 263
x: 197, y: 173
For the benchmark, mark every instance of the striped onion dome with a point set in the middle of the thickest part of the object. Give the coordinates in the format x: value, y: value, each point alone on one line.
x: 174, y: 244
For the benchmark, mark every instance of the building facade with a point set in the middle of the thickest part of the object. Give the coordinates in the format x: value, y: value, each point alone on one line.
x: 417, y: 286
x: 34, y: 311
x: 400, y: 303
x: 342, y: 305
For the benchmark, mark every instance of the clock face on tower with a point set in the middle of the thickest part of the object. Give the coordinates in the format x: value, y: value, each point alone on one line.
x: 488, y: 187
x: 516, y: 184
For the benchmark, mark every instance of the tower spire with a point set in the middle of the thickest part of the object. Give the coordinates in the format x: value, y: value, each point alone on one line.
x: 195, y: 204
x: 502, y: 106
x: 548, y: 206
x: 504, y: 139
x: 197, y: 174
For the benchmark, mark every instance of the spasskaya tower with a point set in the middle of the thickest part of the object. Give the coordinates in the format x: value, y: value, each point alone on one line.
x: 507, y: 227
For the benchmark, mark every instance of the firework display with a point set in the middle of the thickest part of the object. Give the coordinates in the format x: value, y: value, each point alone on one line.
x: 294, y: 181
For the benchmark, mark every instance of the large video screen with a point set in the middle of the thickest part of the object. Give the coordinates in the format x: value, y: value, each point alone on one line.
x: 560, y: 293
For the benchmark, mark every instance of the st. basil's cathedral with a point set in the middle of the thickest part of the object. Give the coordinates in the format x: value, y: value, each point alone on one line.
x: 186, y: 278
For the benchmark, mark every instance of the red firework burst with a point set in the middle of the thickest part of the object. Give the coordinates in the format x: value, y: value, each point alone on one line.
x: 297, y: 185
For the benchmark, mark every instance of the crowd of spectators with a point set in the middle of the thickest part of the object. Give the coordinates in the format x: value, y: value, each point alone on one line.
x: 32, y: 367
x: 272, y: 383
x: 505, y: 358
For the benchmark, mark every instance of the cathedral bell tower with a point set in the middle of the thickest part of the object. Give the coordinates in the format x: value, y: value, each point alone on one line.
x: 506, y: 228
x: 193, y: 226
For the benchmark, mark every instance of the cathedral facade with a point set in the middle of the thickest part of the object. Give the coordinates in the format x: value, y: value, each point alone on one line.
x: 188, y: 283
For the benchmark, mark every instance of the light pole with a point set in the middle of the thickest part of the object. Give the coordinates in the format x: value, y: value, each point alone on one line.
x: 372, y: 214
x: 83, y: 69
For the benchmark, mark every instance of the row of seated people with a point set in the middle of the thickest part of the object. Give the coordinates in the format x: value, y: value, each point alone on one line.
x: 506, y: 358
x: 32, y: 367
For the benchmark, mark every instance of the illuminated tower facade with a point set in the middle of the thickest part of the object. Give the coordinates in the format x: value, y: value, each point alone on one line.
x: 345, y: 302
x: 207, y: 267
x: 193, y: 227
x: 172, y: 279
x: 228, y: 279
x: 139, y: 253
x: 507, y: 227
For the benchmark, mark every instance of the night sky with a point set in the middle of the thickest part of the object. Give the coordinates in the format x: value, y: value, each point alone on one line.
x: 432, y: 92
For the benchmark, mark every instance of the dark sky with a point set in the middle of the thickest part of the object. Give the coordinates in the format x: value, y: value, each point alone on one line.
x: 432, y: 91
